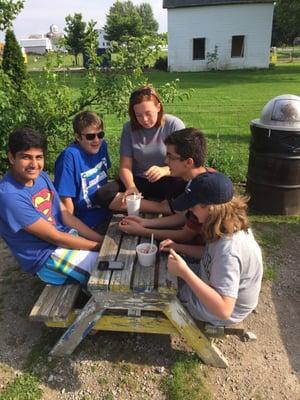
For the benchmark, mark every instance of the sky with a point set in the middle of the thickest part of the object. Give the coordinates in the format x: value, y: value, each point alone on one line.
x: 36, y: 16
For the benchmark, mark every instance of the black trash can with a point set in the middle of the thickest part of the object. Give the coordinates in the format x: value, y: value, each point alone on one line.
x: 273, y: 180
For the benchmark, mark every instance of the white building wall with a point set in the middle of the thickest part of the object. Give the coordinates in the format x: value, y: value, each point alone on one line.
x: 218, y: 24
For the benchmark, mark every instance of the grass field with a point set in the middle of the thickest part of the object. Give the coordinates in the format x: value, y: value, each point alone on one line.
x: 222, y: 104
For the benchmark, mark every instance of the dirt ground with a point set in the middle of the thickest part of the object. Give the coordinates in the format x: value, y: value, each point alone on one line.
x: 131, y: 366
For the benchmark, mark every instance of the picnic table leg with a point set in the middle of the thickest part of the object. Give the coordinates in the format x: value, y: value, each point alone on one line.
x: 188, y: 329
x: 79, y: 329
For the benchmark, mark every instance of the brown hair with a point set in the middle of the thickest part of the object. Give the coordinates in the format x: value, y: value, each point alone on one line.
x: 85, y: 119
x: 144, y: 93
x: 225, y: 219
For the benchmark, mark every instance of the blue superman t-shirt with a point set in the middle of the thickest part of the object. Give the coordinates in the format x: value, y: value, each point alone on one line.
x: 21, y: 206
x: 78, y: 175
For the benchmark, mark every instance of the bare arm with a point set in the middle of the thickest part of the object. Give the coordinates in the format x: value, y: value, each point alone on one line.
x: 126, y: 174
x: 171, y: 221
x: 68, y: 203
x: 221, y: 306
x: 72, y: 221
x: 47, y: 232
x: 178, y: 235
x: 191, y: 250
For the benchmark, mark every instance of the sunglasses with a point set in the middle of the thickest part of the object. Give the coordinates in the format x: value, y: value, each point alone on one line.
x: 92, y: 136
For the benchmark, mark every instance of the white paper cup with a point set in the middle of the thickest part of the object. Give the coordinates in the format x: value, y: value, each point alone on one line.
x: 133, y: 204
x: 146, y: 254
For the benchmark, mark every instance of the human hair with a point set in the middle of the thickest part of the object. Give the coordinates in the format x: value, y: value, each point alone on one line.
x: 144, y: 93
x: 23, y: 139
x: 85, y: 119
x: 189, y: 143
x: 226, y: 219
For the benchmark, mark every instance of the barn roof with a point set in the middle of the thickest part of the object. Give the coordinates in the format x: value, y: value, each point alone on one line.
x: 199, y: 3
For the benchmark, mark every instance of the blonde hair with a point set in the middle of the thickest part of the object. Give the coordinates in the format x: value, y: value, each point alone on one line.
x: 226, y: 219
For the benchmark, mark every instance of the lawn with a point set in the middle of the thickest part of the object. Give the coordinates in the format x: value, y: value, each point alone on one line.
x: 222, y: 104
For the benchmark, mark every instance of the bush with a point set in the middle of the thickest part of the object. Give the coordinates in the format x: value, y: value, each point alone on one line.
x: 161, y: 64
x: 13, y: 61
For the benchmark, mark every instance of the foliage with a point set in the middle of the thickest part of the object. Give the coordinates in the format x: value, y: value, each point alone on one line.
x: 161, y: 64
x: 185, y: 381
x: 74, y: 39
x: 47, y: 104
x: 125, y: 20
x: 9, y: 9
x: 285, y: 22
x: 13, y: 61
x: 212, y: 59
x: 24, y: 387
x: 149, y: 22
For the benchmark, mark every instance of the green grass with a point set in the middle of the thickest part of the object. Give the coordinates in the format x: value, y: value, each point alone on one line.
x: 39, y: 61
x: 23, y: 387
x: 222, y: 104
x: 185, y: 381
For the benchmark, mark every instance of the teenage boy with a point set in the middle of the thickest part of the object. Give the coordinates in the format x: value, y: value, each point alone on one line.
x: 39, y: 230
x: 186, y: 152
x: 82, y: 168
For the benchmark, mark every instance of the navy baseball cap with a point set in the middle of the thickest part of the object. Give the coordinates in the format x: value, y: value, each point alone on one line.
x: 207, y: 188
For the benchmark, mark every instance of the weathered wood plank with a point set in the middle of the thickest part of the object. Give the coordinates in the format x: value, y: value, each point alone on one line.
x: 123, y: 323
x: 44, y: 304
x: 120, y: 280
x: 100, y: 280
x: 64, y: 302
x: 79, y: 329
x: 186, y: 326
x: 167, y: 283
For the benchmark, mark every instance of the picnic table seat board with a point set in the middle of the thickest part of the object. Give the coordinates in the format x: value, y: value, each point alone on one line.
x: 56, y: 304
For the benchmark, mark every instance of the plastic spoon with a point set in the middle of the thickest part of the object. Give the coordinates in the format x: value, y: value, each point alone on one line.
x: 151, y: 243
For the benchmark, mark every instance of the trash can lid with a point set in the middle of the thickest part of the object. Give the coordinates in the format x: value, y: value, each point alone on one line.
x: 281, y: 113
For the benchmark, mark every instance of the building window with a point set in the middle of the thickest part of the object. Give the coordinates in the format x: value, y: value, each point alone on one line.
x: 237, y: 46
x: 199, y: 49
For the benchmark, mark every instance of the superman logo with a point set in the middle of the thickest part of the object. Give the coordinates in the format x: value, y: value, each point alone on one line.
x: 42, y: 201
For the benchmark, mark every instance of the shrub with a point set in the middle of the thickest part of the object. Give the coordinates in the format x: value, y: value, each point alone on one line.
x: 13, y: 61
x: 161, y: 64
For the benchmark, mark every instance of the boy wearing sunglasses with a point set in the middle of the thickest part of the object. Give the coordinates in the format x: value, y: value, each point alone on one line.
x: 82, y: 168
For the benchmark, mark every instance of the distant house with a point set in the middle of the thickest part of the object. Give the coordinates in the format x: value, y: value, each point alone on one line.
x: 103, y: 44
x: 241, y: 30
x: 36, y: 45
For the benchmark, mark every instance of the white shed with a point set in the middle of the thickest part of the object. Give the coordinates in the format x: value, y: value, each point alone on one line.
x: 221, y: 34
x: 36, y: 45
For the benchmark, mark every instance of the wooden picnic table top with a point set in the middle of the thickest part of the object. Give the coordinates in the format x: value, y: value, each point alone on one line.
x: 135, y: 278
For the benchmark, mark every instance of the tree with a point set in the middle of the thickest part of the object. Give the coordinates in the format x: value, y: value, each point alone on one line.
x: 13, y: 61
x: 9, y: 9
x: 286, y: 22
x: 123, y: 21
x: 149, y: 22
x: 75, y: 34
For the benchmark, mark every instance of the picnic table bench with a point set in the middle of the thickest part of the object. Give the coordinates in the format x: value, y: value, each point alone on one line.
x: 135, y: 299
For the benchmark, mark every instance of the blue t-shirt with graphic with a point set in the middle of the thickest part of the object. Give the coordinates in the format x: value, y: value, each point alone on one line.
x: 21, y: 206
x: 78, y: 175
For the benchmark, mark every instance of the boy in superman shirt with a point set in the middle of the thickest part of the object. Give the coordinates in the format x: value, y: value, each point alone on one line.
x: 41, y: 233
x: 82, y: 168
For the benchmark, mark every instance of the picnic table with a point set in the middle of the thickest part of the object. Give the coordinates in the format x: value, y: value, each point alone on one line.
x: 135, y: 299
